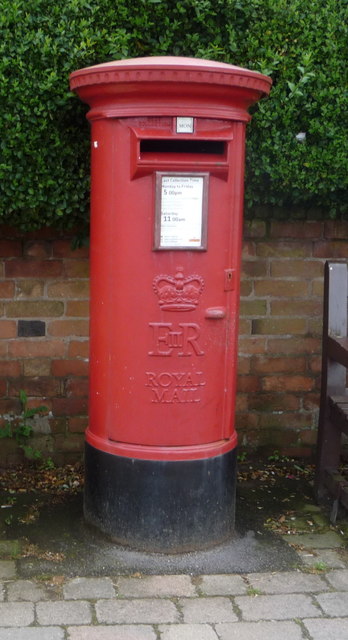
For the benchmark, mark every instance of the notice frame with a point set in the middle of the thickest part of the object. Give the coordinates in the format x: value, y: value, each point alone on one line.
x: 181, y: 210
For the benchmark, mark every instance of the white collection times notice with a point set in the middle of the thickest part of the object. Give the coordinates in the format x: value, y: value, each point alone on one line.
x: 181, y: 211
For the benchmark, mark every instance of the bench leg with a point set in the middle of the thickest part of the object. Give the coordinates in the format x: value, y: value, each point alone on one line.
x: 328, y: 454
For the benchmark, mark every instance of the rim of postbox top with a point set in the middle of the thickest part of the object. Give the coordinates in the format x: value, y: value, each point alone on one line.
x: 169, y: 85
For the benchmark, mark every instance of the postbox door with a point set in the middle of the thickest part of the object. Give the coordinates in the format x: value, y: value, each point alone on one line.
x: 164, y: 356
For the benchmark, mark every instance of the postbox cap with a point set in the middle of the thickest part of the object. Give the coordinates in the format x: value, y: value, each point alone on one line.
x: 169, y: 85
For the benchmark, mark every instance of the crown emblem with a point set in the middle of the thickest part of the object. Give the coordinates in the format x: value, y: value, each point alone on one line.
x: 178, y: 293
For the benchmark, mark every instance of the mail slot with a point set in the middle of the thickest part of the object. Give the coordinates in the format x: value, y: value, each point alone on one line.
x: 167, y: 156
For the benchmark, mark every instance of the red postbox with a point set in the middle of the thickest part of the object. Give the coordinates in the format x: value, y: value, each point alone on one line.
x: 166, y: 226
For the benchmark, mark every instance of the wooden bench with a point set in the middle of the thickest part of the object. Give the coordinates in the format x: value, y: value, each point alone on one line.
x: 333, y: 415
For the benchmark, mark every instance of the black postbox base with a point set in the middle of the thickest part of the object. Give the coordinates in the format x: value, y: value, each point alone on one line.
x: 158, y: 505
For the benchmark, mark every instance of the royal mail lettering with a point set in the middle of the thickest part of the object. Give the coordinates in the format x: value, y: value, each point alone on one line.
x: 175, y: 387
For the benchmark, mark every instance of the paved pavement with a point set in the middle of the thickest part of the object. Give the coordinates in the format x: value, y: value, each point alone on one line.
x: 307, y: 603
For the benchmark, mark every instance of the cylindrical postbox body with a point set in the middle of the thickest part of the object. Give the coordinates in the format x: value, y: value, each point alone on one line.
x: 166, y: 226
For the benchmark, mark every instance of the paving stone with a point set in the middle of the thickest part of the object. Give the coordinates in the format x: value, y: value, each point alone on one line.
x: 329, y: 557
x: 223, y: 585
x: 287, y: 582
x: 278, y: 607
x: 7, y: 569
x: 187, y: 632
x: 146, y: 611
x: 201, y: 610
x: 16, y: 614
x: 25, y: 590
x: 328, y: 540
x: 152, y: 586
x: 121, y: 632
x: 32, y: 633
x: 334, y: 604
x: 260, y: 631
x: 335, y: 629
x: 59, y: 612
x: 338, y: 579
x: 89, y: 588
x: 2, y: 592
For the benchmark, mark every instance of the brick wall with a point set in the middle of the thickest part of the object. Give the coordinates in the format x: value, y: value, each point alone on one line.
x: 44, y: 290
x: 44, y: 335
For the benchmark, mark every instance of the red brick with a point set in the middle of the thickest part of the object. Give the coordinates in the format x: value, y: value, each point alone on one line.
x: 3, y: 387
x: 241, y: 402
x: 294, y: 345
x: 244, y: 327
x: 271, y: 326
x: 63, y: 368
x: 315, y: 326
x: 10, y: 405
x: 38, y: 249
x: 247, y: 421
x: 77, y: 308
x: 77, y: 387
x: 78, y: 424
x: 4, y: 348
x: 8, y: 329
x: 253, y: 308
x: 300, y: 230
x: 10, y: 248
x: 243, y: 365
x: 315, y: 364
x: 76, y: 268
x: 246, y: 288
x: 331, y: 249
x: 283, y: 249
x: 254, y: 268
x: 2, y: 270
x: 36, y: 348
x: 248, y: 249
x: 297, y: 452
x: 281, y: 364
x: 58, y: 425
x: 78, y: 349
x: 318, y: 288
x: 249, y: 344
x: 9, y: 368
x: 63, y: 249
x: 286, y: 420
x: 29, y: 288
x: 309, y: 436
x: 69, y: 289
x: 281, y: 288
x: 311, y: 401
x: 7, y: 289
x: 31, y: 268
x: 248, y: 384
x: 37, y: 367
x: 336, y: 229
x: 69, y: 406
x: 74, y: 443
x: 287, y: 383
x: 68, y: 328
x: 307, y: 269
x: 34, y: 308
x: 37, y: 387
x: 269, y: 402
x: 303, y: 308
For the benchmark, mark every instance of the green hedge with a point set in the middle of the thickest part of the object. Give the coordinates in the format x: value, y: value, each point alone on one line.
x: 302, y: 44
